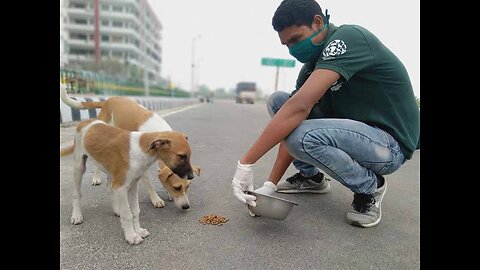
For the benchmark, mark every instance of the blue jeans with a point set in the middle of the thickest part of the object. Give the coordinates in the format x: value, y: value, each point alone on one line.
x: 350, y: 151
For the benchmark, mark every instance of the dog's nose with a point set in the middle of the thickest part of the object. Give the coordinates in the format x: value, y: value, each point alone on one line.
x: 185, y: 206
x: 190, y: 176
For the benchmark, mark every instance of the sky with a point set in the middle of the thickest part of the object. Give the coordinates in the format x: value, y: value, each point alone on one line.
x: 230, y: 37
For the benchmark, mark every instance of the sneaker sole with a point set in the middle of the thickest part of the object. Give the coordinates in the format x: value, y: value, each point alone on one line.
x: 355, y: 223
x: 315, y: 191
x: 319, y: 191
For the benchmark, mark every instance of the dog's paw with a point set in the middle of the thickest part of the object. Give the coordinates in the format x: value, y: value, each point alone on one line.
x: 116, y: 210
x: 76, y: 219
x: 157, y: 202
x: 96, y: 181
x: 134, y: 239
x: 143, y: 233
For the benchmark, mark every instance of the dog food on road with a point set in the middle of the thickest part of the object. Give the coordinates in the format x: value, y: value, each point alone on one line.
x: 213, y: 220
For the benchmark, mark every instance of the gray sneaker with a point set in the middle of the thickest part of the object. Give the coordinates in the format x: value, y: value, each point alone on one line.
x: 367, y: 208
x: 301, y: 184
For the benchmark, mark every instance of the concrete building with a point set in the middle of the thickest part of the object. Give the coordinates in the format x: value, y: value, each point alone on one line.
x: 124, y: 31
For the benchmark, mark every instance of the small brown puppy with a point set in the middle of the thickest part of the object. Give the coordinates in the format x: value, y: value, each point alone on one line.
x: 176, y: 187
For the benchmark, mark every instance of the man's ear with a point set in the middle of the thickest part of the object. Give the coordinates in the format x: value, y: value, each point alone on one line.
x: 196, y: 169
x: 318, y: 21
x: 160, y: 144
x: 164, y: 173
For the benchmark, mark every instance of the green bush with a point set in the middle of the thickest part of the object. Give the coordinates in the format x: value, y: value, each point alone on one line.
x: 86, y: 81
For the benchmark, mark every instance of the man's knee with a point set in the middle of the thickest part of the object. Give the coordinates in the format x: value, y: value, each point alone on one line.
x: 306, y: 136
x: 275, y: 101
x: 294, y: 142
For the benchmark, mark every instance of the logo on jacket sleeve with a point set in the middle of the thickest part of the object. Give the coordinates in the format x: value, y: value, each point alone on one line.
x: 334, y: 48
x: 336, y: 85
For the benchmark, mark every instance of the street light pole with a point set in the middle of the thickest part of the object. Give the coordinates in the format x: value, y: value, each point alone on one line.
x: 276, y: 78
x: 97, y: 33
x: 197, y: 74
x: 193, y: 63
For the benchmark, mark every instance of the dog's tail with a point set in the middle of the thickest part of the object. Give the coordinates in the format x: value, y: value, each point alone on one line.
x: 80, y: 105
x: 67, y: 150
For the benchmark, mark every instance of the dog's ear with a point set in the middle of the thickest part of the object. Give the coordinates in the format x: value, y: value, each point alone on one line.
x: 164, y: 173
x: 160, y: 144
x: 196, y: 169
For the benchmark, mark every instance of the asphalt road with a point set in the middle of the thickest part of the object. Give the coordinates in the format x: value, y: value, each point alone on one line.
x: 314, y: 236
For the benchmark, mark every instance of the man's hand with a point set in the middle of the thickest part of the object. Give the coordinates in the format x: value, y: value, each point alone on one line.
x: 243, y: 181
x: 268, y: 188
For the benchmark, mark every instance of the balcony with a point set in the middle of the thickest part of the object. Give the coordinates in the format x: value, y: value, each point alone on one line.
x: 81, y: 57
x: 119, y: 31
x: 79, y: 43
x: 104, y: 45
x: 119, y: 46
x: 81, y: 12
x: 80, y: 27
x: 121, y: 16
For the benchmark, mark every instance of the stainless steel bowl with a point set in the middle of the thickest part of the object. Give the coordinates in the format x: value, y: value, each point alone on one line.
x: 270, y: 206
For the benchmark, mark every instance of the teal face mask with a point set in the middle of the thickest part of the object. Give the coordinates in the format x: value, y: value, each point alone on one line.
x: 305, y: 50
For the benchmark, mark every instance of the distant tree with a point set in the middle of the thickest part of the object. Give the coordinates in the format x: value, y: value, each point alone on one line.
x: 203, y: 90
x: 110, y: 66
x: 220, y: 92
x: 136, y: 74
x: 418, y: 101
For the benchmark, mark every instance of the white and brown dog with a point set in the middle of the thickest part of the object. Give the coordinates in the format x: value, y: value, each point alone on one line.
x: 126, y: 113
x: 125, y: 156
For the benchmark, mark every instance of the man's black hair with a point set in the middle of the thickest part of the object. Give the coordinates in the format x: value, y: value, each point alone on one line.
x: 295, y: 12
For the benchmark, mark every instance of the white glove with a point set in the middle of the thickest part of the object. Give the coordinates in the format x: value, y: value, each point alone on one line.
x: 268, y: 188
x: 243, y: 181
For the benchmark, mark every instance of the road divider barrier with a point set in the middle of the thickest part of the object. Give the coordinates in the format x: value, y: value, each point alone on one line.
x: 68, y: 114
